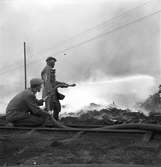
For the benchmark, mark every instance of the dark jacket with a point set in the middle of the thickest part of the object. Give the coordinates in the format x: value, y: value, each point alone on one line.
x: 22, y: 105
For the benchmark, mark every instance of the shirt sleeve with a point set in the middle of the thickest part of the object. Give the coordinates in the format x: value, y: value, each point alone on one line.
x: 31, y: 102
x: 62, y: 84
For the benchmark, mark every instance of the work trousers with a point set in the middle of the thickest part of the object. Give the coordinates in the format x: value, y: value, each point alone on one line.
x: 31, y: 121
x: 54, y: 106
x: 56, y: 109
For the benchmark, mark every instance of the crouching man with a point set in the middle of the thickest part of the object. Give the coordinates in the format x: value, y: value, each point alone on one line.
x: 24, y: 110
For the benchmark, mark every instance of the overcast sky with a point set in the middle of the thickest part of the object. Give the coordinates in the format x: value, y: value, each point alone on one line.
x: 92, y: 40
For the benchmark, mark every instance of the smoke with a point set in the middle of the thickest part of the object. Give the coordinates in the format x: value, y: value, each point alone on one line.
x: 121, y: 55
x: 130, y: 51
x: 123, y: 91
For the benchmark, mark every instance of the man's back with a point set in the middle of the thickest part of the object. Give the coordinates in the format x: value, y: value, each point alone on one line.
x: 18, y: 107
x: 18, y: 102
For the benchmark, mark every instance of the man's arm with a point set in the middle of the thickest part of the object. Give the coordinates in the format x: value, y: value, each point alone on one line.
x: 31, y: 102
x: 63, y: 85
x: 39, y: 102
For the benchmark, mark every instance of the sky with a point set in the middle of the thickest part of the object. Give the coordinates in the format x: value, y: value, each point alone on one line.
x: 110, y: 49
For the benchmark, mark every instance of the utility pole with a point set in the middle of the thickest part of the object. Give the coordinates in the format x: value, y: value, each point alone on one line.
x: 25, y: 72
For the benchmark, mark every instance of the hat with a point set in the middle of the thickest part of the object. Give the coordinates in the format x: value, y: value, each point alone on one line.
x: 36, y: 81
x: 51, y: 58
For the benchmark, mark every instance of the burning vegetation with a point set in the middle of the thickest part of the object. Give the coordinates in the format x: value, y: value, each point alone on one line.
x: 115, y: 115
x: 148, y: 111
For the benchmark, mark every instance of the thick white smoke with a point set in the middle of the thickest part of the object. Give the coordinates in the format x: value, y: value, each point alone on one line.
x: 125, y: 92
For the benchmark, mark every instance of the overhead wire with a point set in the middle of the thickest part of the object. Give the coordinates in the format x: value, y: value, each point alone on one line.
x: 101, y: 35
x: 102, y: 24
x: 79, y: 34
x: 91, y: 39
x: 14, y: 66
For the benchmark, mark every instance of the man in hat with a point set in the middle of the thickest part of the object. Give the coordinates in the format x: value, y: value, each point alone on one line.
x: 24, y: 110
x: 51, y: 86
x: 46, y: 76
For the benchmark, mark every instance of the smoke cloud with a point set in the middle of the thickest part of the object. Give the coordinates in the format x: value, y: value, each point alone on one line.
x: 124, y: 92
x: 122, y: 66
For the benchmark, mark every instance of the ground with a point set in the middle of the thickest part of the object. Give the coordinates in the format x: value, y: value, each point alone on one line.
x: 38, y: 148
x: 59, y: 148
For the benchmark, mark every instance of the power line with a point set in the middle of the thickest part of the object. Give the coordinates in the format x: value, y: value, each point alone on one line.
x: 13, y: 66
x: 98, y: 36
x: 87, y: 31
x: 87, y: 41
x: 101, y: 35
x: 103, y: 24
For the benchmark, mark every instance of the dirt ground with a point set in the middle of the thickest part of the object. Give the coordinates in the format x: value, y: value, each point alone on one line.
x: 35, y: 148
